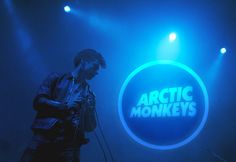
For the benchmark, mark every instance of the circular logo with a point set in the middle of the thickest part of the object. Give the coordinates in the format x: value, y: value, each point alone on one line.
x: 163, y: 105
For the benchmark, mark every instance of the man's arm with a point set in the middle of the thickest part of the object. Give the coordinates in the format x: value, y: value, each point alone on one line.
x: 45, y: 104
x: 44, y: 100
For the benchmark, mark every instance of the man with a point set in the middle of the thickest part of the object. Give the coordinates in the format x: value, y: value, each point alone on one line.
x: 65, y: 108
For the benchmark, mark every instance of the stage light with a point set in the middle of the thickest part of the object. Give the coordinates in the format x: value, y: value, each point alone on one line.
x: 223, y: 50
x: 172, y: 37
x: 67, y: 8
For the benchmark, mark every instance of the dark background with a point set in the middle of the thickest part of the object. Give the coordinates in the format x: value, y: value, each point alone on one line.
x: 38, y: 37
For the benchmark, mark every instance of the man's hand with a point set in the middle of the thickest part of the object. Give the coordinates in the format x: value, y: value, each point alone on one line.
x: 74, y: 103
x: 53, y: 106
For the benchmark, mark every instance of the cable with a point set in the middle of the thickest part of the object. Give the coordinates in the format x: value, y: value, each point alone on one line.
x: 100, y: 144
x: 82, y: 111
x: 99, y: 126
x: 216, y: 155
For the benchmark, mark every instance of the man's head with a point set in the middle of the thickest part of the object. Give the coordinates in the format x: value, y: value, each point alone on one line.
x: 89, y: 61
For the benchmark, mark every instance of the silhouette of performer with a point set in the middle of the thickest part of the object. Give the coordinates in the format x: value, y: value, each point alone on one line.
x: 65, y: 108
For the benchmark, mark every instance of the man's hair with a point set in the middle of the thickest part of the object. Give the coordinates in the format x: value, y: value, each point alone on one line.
x: 89, y: 55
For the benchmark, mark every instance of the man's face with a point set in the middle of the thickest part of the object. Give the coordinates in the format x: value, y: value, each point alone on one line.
x: 91, y: 69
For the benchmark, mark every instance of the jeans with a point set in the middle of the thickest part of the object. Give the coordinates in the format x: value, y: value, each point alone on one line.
x: 55, y: 147
x: 39, y: 151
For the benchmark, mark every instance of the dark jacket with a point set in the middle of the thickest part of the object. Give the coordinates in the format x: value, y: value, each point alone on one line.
x: 58, y: 87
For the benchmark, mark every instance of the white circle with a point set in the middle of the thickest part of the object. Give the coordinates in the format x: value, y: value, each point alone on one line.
x: 172, y: 146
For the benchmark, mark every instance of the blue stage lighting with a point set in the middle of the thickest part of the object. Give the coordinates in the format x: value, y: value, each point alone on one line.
x: 172, y: 37
x: 67, y: 8
x: 223, y: 50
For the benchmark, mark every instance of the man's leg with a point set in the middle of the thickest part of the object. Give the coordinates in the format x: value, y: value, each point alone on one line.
x: 39, y: 151
x: 37, y: 155
x: 69, y: 154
